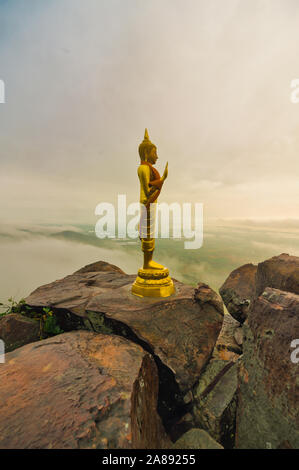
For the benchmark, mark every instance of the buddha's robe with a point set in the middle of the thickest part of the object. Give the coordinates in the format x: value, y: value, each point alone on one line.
x: 150, y: 187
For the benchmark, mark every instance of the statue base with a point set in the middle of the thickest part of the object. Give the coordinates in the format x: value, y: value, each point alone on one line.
x: 153, y: 283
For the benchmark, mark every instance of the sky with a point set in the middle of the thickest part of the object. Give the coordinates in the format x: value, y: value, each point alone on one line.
x: 209, y: 79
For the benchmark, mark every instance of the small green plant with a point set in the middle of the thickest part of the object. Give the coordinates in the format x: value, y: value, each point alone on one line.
x: 14, y: 307
x: 50, y: 326
x: 47, y: 319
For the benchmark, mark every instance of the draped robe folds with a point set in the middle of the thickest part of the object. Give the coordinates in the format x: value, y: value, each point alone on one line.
x: 148, y: 211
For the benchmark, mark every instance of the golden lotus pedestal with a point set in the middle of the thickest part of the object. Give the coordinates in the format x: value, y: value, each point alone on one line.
x: 153, y: 283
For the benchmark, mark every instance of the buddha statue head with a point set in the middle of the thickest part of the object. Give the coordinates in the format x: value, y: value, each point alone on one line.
x: 147, y: 150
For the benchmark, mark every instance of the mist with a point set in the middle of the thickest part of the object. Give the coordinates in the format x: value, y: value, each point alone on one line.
x: 31, y: 256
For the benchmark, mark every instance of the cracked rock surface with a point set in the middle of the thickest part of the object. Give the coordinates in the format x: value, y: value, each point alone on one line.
x: 267, y: 413
x: 80, y: 390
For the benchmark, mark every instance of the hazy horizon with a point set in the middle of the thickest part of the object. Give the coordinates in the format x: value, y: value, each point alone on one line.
x: 35, y: 255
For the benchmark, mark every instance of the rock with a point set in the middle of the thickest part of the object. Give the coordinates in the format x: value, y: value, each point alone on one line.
x: 17, y: 330
x: 246, y: 283
x: 280, y: 272
x: 267, y: 415
x: 238, y: 336
x: 206, y: 296
x: 226, y: 347
x: 238, y: 290
x: 179, y: 331
x: 196, y: 439
x: 215, y: 401
x: 80, y: 390
x: 99, y: 266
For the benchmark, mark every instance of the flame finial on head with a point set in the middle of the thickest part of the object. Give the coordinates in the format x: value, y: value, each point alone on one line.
x: 145, y: 145
x: 146, y: 137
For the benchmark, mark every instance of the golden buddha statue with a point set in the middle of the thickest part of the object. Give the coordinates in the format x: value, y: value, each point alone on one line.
x: 153, y: 279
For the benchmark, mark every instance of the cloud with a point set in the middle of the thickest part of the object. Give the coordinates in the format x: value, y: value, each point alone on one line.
x: 211, y: 81
x: 29, y: 263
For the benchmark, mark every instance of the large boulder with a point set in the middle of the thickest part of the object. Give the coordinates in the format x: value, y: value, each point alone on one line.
x: 238, y: 291
x: 215, y: 401
x: 247, y: 282
x: 80, y: 390
x: 179, y: 331
x: 280, y: 272
x: 267, y: 415
x: 17, y: 330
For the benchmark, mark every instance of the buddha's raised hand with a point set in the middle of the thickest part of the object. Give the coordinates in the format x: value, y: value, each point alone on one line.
x: 165, y: 174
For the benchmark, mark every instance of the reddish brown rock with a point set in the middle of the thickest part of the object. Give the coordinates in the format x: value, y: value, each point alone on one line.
x: 280, y: 272
x: 246, y: 283
x: 267, y: 415
x: 238, y: 290
x: 180, y: 330
x: 80, y: 390
x: 17, y: 330
x: 100, y: 266
x: 206, y: 296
